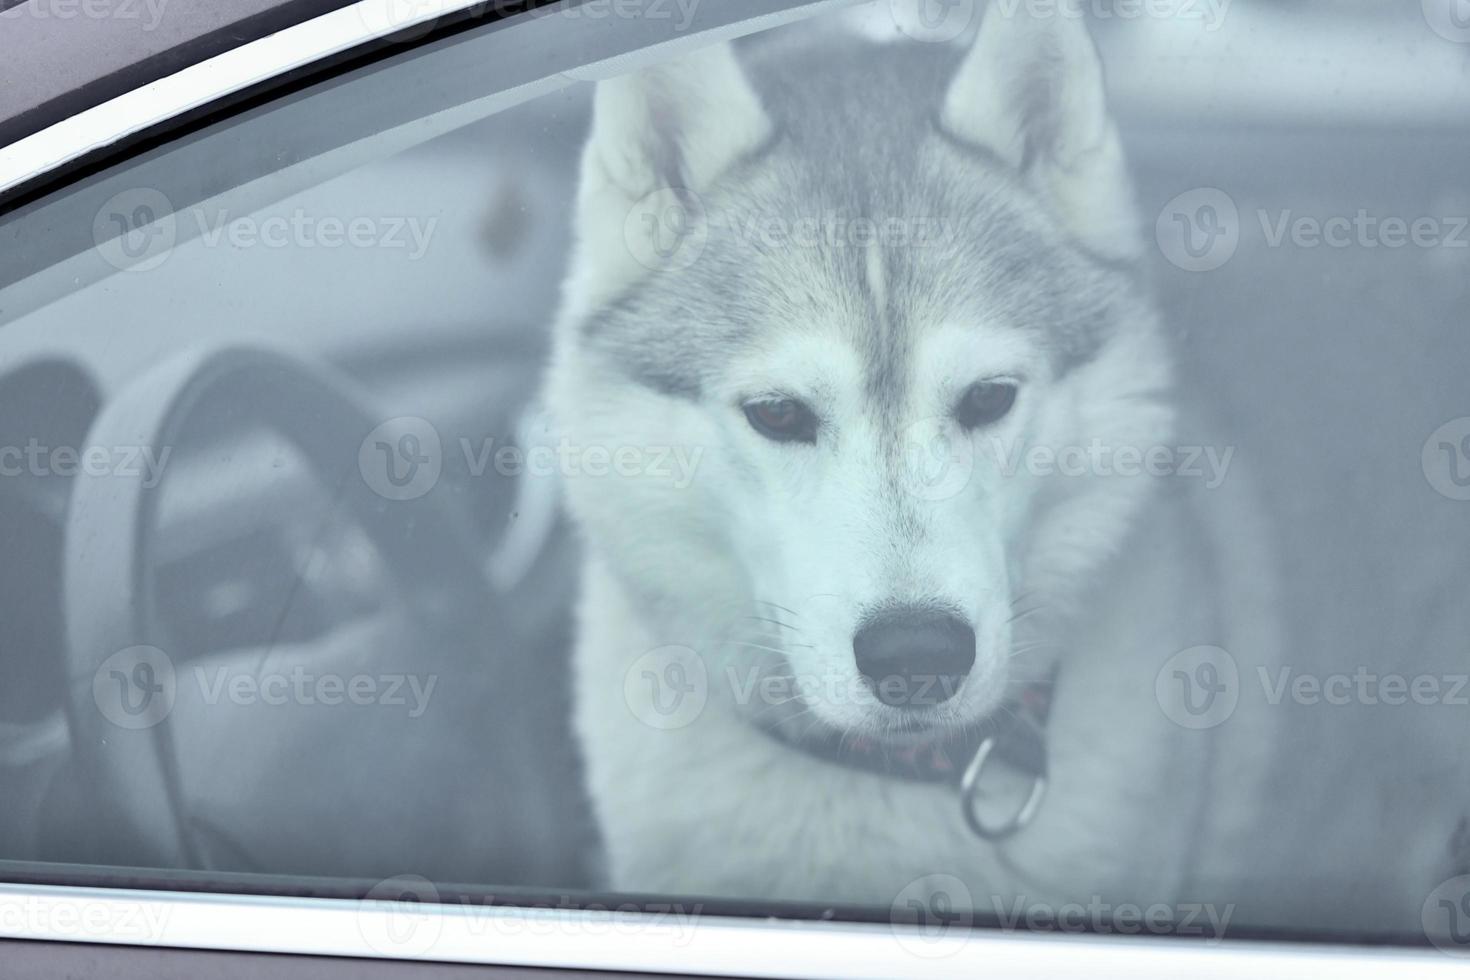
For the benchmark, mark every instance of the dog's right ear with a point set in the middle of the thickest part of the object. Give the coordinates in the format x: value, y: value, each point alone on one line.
x: 660, y: 136
x: 1031, y: 92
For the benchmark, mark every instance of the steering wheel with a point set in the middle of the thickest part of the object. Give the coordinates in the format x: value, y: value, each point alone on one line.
x: 134, y: 712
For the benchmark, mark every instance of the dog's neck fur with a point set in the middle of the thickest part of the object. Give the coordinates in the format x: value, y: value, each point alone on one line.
x: 719, y: 808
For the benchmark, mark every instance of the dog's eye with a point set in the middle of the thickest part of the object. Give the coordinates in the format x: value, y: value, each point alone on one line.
x: 783, y: 419
x: 986, y: 403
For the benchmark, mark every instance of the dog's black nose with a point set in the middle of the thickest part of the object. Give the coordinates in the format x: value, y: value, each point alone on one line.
x: 913, y: 658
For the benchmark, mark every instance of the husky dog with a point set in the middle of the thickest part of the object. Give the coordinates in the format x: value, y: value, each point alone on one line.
x: 900, y: 282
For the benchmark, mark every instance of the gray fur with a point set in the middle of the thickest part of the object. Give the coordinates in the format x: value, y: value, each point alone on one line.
x: 857, y: 136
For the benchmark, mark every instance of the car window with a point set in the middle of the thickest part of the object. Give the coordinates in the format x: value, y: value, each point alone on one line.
x: 995, y: 467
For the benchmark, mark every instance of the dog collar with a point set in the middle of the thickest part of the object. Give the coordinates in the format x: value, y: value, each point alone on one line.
x: 1014, y: 736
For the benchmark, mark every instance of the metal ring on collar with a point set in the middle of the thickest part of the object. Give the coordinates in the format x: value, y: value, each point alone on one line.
x: 970, y: 783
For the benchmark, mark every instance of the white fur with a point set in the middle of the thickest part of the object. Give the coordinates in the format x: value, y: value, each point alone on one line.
x: 719, y: 808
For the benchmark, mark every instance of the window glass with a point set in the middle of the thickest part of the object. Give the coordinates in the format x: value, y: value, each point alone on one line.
x: 977, y: 464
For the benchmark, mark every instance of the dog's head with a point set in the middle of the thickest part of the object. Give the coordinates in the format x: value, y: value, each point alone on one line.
x: 868, y: 291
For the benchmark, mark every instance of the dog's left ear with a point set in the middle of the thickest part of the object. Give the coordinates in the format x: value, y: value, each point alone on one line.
x: 1031, y: 92
x: 660, y: 137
